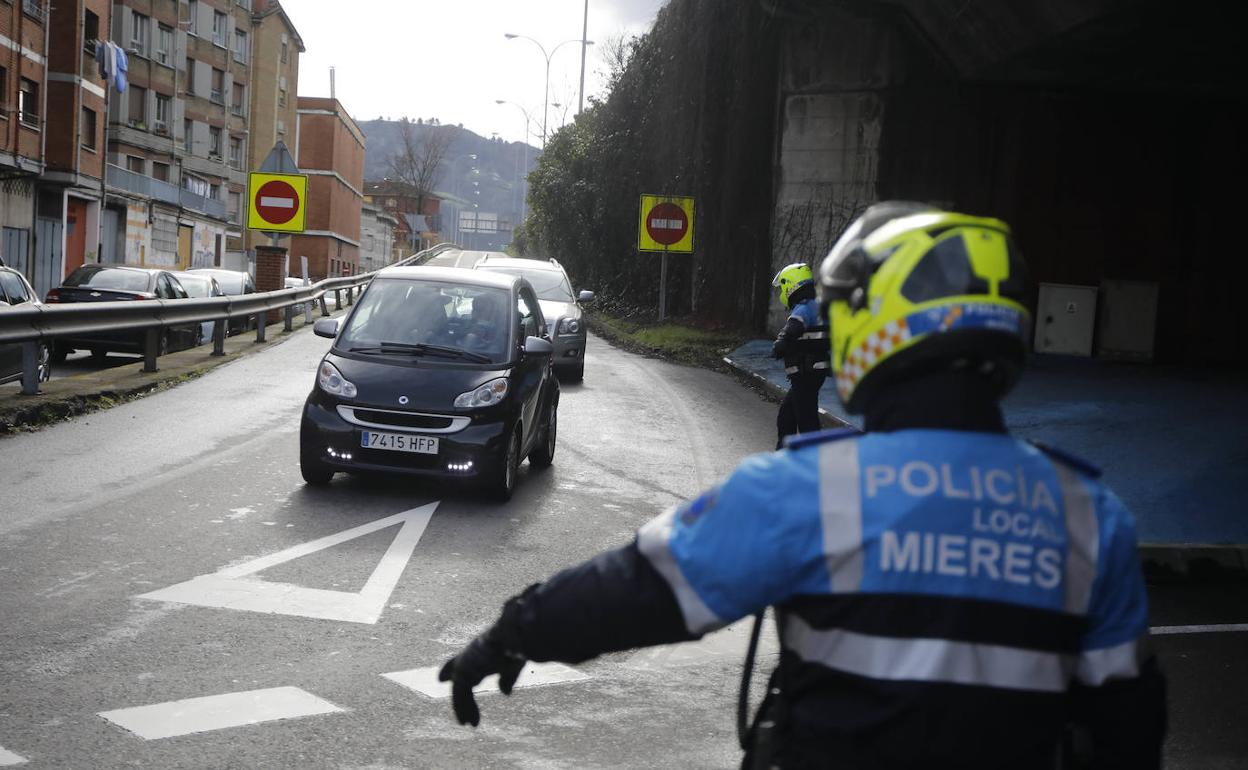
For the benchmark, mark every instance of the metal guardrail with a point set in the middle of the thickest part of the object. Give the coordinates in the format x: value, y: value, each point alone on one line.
x: 30, y: 324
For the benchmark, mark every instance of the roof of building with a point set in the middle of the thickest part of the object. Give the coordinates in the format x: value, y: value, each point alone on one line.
x: 266, y: 8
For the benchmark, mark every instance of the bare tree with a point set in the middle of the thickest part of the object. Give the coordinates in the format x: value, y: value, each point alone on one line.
x: 418, y: 160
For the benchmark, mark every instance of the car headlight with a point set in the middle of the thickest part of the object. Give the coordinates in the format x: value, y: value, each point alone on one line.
x: 569, y: 325
x: 332, y: 381
x: 488, y: 394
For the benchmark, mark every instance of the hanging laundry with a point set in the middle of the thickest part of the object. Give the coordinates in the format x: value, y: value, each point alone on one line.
x: 123, y: 66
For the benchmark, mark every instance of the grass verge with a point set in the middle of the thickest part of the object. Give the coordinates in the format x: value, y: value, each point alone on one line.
x: 676, y: 340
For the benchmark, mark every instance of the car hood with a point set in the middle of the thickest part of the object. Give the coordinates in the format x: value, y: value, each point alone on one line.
x: 552, y: 311
x: 430, y: 386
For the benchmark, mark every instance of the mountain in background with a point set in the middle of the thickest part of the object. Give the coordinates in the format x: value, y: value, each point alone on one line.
x: 497, y: 169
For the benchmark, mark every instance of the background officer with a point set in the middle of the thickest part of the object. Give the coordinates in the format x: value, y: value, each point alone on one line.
x: 946, y: 595
x: 803, y: 344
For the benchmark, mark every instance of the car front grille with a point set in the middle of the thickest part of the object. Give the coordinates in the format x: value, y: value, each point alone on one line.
x: 401, y: 420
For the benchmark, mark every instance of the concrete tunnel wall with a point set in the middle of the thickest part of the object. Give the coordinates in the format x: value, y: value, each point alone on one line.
x: 1100, y: 181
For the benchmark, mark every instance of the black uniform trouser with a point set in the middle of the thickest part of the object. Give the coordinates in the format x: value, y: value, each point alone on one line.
x: 799, y: 411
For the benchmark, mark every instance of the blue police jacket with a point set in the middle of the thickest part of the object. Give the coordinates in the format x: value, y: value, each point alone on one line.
x: 944, y: 599
x: 803, y: 342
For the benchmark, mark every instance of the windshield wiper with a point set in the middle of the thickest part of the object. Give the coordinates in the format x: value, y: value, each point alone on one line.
x: 420, y: 349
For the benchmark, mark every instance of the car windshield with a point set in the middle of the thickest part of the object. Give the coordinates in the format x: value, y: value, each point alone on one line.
x: 548, y: 284
x: 194, y: 285
x: 230, y: 283
x: 407, y: 317
x: 108, y: 278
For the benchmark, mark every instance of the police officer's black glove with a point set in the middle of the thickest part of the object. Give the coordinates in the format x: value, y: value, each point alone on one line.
x: 482, y: 657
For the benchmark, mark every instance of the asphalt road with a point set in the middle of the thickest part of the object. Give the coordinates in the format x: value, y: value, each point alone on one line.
x: 146, y: 497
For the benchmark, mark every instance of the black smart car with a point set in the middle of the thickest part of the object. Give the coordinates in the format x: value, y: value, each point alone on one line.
x: 437, y: 371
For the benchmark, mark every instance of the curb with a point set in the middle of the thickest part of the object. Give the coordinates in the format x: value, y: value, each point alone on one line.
x: 94, y: 391
x: 1161, y: 562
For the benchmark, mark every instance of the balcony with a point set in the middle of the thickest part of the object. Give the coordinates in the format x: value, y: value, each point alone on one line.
x: 140, y: 184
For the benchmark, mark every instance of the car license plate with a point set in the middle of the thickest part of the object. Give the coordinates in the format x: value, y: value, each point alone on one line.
x: 397, y: 442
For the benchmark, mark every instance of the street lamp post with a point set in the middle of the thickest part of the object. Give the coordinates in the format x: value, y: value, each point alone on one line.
x: 548, y: 57
x: 527, y: 122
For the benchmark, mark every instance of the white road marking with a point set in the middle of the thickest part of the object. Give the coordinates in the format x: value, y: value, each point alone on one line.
x: 8, y: 758
x: 1224, y: 628
x: 234, y: 588
x: 425, y: 680
x: 277, y: 203
x: 217, y: 712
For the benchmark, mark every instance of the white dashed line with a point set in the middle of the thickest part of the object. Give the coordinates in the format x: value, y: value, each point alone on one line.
x: 1224, y: 628
x: 217, y: 712
x: 8, y: 758
x: 425, y: 680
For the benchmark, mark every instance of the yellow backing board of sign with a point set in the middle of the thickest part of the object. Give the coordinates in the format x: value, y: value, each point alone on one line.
x: 277, y: 202
x: 665, y: 224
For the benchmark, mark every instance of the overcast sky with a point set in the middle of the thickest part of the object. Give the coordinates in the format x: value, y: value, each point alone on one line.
x: 448, y: 58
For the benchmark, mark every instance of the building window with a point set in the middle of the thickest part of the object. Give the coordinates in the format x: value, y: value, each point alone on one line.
x: 236, y: 152
x: 220, y: 29
x: 214, y: 192
x: 33, y: 7
x: 4, y: 91
x: 192, y: 17
x: 214, y: 141
x: 196, y: 185
x: 281, y: 97
x: 163, y: 104
x: 285, y: 46
x: 238, y: 102
x: 87, y: 128
x: 190, y: 76
x: 235, y: 207
x: 218, y: 86
x: 90, y: 31
x: 28, y: 103
x: 188, y: 134
x: 160, y: 171
x: 240, y: 46
x: 164, y: 44
x: 139, y: 27
x: 244, y: 4
x: 134, y: 163
x: 138, y: 106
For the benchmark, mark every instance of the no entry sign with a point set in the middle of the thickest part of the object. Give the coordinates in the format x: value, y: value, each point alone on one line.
x: 277, y: 202
x: 666, y: 224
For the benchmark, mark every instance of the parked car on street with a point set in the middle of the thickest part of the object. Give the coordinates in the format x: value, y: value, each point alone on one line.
x: 119, y: 283
x: 436, y: 372
x: 201, y: 285
x: 560, y: 307
x: 233, y: 283
x: 15, y: 291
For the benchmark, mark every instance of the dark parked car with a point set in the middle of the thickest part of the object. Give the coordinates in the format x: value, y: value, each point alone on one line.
x: 15, y: 290
x: 117, y: 283
x: 437, y: 371
x: 233, y: 283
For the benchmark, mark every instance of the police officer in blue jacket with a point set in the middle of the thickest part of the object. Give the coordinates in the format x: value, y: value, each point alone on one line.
x: 803, y: 344
x: 946, y: 595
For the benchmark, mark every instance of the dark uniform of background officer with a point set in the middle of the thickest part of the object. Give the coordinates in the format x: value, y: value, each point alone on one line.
x: 947, y: 596
x: 803, y: 344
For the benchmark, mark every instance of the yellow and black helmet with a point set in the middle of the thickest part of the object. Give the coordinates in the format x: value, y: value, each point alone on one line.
x: 790, y: 278
x: 909, y: 288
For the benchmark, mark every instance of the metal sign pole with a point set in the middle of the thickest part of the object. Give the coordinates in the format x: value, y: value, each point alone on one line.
x: 663, y: 287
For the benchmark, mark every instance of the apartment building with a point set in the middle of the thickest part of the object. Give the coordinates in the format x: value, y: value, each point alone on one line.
x: 276, y: 46
x: 23, y: 118
x: 177, y: 142
x: 330, y: 150
x: 377, y: 242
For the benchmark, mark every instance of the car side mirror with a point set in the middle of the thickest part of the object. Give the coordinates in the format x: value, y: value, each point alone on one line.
x: 326, y: 327
x: 585, y: 297
x: 536, y: 346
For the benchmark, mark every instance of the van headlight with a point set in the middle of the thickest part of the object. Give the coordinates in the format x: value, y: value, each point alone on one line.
x: 488, y: 394
x: 569, y: 325
x: 332, y: 381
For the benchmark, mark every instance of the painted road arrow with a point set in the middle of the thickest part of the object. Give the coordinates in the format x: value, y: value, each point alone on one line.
x: 237, y: 588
